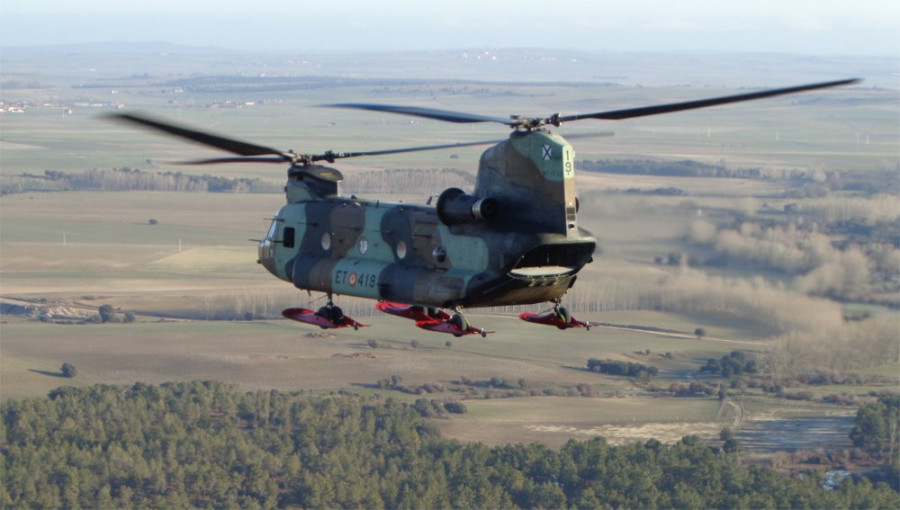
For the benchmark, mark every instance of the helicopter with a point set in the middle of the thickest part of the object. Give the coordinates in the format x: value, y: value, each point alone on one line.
x: 513, y: 240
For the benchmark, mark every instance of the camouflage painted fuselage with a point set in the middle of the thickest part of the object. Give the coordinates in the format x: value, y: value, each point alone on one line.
x: 515, y: 240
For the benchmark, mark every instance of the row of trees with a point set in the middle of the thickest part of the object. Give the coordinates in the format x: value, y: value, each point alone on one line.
x: 207, y: 444
x: 618, y: 367
x: 690, y: 168
x: 413, y: 181
x: 813, y: 182
x: 684, y: 168
x: 129, y: 179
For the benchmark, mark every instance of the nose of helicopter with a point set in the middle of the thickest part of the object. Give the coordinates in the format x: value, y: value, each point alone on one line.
x: 266, y: 250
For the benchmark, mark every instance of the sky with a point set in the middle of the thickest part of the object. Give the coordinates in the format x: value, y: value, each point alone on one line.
x: 817, y: 27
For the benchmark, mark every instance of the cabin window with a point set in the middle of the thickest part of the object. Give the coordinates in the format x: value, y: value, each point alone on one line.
x: 288, y: 237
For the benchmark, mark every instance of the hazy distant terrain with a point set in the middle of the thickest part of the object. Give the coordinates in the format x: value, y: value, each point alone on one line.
x: 770, y: 227
x: 517, y: 66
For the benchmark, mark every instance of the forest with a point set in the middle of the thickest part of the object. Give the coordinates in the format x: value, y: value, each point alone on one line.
x: 206, y: 444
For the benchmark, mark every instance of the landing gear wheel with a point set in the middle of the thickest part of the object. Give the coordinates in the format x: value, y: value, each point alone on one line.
x: 483, y: 334
x: 563, y: 315
x: 459, y: 322
x: 332, y: 313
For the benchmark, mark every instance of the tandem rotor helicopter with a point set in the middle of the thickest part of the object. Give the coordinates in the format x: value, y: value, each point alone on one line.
x: 513, y: 240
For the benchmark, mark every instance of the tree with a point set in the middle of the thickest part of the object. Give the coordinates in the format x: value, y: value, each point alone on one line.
x: 107, y: 313
x: 69, y: 370
x: 700, y: 333
x: 726, y: 433
x: 130, y: 316
x: 878, y: 426
x: 731, y: 445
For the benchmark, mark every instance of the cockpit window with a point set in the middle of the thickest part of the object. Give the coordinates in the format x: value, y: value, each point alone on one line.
x: 272, y: 230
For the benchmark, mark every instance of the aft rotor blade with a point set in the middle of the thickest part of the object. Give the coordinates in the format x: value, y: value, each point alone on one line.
x: 429, y: 113
x: 219, y: 142
x: 629, y: 113
x: 594, y: 134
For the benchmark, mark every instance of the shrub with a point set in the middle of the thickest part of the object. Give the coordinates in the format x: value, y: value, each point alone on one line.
x: 69, y: 370
x: 456, y: 407
x: 800, y: 395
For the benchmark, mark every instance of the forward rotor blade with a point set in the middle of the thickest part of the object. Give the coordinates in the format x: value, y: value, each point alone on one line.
x: 629, y: 113
x: 244, y: 159
x: 429, y: 113
x: 219, y: 142
x: 338, y: 155
x: 331, y: 156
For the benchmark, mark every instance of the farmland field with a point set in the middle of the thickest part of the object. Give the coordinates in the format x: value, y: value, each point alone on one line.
x: 184, y: 264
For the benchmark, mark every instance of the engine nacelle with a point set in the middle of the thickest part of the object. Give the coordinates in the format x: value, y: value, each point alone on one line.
x: 455, y: 207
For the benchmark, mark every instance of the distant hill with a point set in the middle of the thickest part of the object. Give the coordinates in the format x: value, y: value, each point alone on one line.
x: 518, y: 64
x: 114, y: 47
